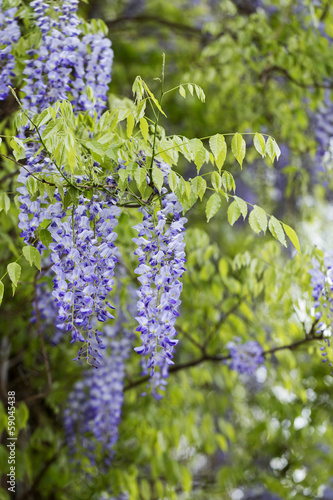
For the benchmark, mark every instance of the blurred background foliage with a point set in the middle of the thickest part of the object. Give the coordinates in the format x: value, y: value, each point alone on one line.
x: 264, y: 66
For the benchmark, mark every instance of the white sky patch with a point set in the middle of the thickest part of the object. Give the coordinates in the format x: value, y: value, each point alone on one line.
x: 261, y: 374
x: 300, y: 422
x: 237, y: 494
x: 278, y: 463
x: 299, y: 475
x: 283, y: 395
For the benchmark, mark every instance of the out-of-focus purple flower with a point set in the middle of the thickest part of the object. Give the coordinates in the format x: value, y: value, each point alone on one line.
x: 322, y: 292
x: 94, y: 406
x: 245, y: 358
x: 9, y: 35
x: 323, y: 128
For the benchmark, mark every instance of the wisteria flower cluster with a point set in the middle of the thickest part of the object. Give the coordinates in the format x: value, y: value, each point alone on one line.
x: 245, y: 358
x: 84, y: 257
x: 322, y: 293
x: 94, y: 406
x: 66, y: 62
x: 161, y: 258
x: 9, y: 35
x: 323, y: 127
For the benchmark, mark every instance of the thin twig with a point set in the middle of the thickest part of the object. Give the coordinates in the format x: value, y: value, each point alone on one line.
x: 25, y: 168
x: 279, y: 69
x: 218, y: 359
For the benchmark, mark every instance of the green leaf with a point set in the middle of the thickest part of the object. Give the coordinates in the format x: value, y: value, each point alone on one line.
x: 238, y: 147
x: 153, y: 98
x: 200, y: 158
x: 32, y: 255
x: 258, y: 219
x: 182, y: 91
x: 242, y: 205
x: 277, y: 150
x: 228, y: 181
x: 234, y: 213
x: 144, y: 128
x: 32, y: 185
x: 140, y: 176
x: 216, y: 181
x: 221, y: 158
x: 22, y: 415
x: 2, y: 289
x: 213, y: 204
x: 217, y: 144
x: 181, y: 186
x: 140, y: 109
x: 173, y: 180
x: 259, y: 144
x: 194, y: 146
x: 14, y: 273
x: 50, y: 191
x: 123, y: 179
x: 272, y: 149
x: 200, y: 93
x: 45, y: 237
x: 158, y: 177
x: 190, y: 88
x: 292, y: 236
x: 138, y: 89
x: 130, y: 125
x: 18, y: 148
x: 70, y: 150
x: 199, y: 186
x: 276, y: 229
x: 4, y: 202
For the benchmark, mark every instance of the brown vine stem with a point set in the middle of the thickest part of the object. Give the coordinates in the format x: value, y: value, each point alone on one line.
x: 25, y: 168
x: 218, y: 359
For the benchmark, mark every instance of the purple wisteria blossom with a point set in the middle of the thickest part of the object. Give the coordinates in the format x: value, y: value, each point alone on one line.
x: 66, y: 62
x: 323, y: 127
x: 161, y: 258
x: 245, y: 358
x: 64, y: 65
x: 94, y: 406
x: 84, y: 257
x: 322, y: 293
x: 9, y: 35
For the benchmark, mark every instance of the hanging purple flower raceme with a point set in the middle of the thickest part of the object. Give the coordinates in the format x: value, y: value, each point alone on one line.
x: 66, y: 62
x: 93, y: 70
x: 9, y: 35
x: 323, y: 127
x: 84, y: 257
x: 161, y: 258
x: 322, y: 293
x: 94, y: 406
x: 245, y: 358
x: 63, y: 63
